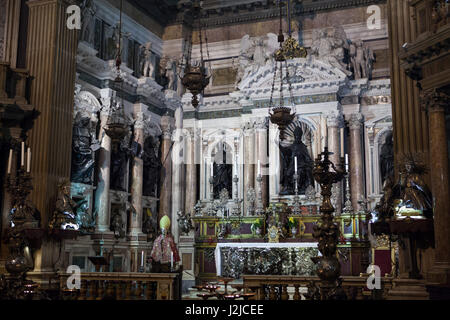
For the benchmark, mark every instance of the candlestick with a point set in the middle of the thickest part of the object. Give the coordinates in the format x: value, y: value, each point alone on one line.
x: 28, y: 159
x: 10, y: 161
x: 23, y: 155
x: 295, y: 164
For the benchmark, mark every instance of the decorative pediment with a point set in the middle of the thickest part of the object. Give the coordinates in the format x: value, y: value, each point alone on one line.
x: 303, y: 72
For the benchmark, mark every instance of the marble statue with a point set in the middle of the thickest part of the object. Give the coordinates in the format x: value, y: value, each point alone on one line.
x: 361, y: 58
x: 146, y: 64
x: 120, y: 154
x: 169, y: 68
x: 84, y: 145
x: 304, y: 165
x: 84, y: 220
x: 329, y: 46
x: 152, y: 166
x: 88, y: 21
x: 117, y: 222
x: 387, y: 157
x: 64, y: 216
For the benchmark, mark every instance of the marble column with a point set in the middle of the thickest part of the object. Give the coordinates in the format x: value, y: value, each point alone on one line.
x: 333, y: 124
x: 261, y: 128
x: 436, y: 102
x: 191, y: 173
x: 135, y: 228
x: 102, y: 196
x: 249, y: 160
x: 356, y: 163
x: 178, y: 186
x: 166, y: 167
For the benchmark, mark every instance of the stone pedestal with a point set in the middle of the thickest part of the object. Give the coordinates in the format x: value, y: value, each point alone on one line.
x: 356, y: 164
x: 186, y: 248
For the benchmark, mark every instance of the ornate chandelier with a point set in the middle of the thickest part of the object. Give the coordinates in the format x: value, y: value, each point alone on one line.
x: 289, y: 49
x: 116, y: 127
x: 195, y: 77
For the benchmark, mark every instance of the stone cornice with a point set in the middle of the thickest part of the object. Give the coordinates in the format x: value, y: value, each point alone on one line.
x: 233, y: 12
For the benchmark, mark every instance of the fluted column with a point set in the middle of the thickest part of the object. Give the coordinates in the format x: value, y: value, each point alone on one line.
x: 356, y: 162
x: 102, y: 197
x: 249, y: 160
x: 261, y: 128
x: 52, y: 95
x: 436, y: 103
x: 166, y: 167
x: 137, y: 177
x: 333, y: 124
x: 191, y: 173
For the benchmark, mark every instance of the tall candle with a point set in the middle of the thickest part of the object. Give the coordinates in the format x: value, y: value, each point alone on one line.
x: 346, y: 162
x: 23, y: 155
x: 259, y: 167
x: 142, y: 258
x: 10, y: 160
x: 326, y: 138
x: 212, y: 169
x: 295, y: 164
x: 235, y: 165
x: 171, y: 260
x: 28, y: 159
x: 342, y: 142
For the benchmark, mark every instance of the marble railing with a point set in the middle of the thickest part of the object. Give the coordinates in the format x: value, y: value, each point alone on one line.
x: 123, y: 286
x: 269, y: 287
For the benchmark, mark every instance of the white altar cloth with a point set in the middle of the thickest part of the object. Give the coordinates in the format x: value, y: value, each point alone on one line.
x: 218, y: 256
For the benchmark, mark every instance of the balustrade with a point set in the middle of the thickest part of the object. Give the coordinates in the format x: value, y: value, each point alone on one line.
x: 126, y: 286
x: 268, y: 287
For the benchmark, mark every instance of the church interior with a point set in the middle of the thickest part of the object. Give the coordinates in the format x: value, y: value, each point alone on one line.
x: 224, y: 150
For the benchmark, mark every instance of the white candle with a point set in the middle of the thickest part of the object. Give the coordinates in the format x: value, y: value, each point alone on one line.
x: 212, y: 169
x: 171, y: 260
x: 23, y: 154
x: 295, y: 164
x: 235, y: 165
x: 142, y: 258
x: 10, y: 160
x: 346, y: 162
x: 342, y: 141
x: 28, y: 159
x: 326, y: 138
x: 259, y: 167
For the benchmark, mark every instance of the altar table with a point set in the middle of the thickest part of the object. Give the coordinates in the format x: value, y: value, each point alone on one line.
x: 306, y: 249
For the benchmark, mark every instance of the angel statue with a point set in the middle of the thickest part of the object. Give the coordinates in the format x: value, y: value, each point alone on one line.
x: 87, y: 27
x: 169, y: 68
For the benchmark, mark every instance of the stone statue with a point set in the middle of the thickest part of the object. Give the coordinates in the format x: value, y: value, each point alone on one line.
x: 387, y: 158
x: 84, y: 145
x: 64, y: 216
x: 361, y: 59
x: 117, y: 222
x: 304, y: 165
x: 88, y: 21
x: 330, y: 48
x: 184, y: 222
x: 120, y: 154
x: 146, y: 64
x: 169, y: 68
x: 152, y: 166
x: 84, y: 220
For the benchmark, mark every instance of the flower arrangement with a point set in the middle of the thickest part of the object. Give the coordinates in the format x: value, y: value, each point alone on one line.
x: 292, y: 223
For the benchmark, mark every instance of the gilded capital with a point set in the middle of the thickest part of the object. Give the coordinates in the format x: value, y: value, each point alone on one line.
x: 434, y: 100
